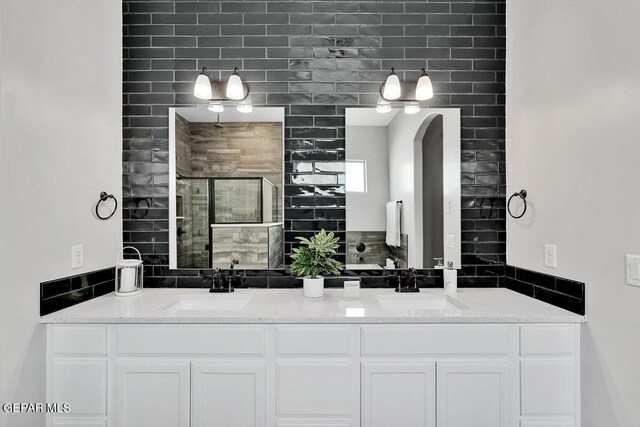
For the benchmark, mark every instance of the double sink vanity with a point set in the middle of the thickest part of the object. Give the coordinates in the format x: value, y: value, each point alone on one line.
x: 270, y: 357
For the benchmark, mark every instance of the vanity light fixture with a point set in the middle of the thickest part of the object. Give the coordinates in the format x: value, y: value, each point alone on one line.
x: 235, y: 88
x: 424, y: 89
x: 202, y: 88
x: 394, y: 89
x: 411, y: 108
x: 216, y: 107
x: 391, y: 89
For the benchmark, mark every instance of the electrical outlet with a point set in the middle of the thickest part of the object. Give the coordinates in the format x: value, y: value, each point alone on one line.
x: 550, y: 256
x: 77, y: 256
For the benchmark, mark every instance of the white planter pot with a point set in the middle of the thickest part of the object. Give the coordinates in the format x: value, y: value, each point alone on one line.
x: 313, y: 288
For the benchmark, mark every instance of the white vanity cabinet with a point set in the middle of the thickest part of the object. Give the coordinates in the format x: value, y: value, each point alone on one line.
x: 315, y: 375
x: 228, y: 393
x: 152, y: 393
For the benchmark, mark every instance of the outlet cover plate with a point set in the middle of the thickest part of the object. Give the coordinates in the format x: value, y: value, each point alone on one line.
x: 77, y: 256
x: 550, y: 256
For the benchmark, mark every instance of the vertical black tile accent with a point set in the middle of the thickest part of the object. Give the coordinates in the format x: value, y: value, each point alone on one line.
x: 62, y: 293
x: 315, y: 60
x: 564, y: 293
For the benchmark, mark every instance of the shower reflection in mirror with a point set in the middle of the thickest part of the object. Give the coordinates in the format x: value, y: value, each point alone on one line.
x: 226, y: 201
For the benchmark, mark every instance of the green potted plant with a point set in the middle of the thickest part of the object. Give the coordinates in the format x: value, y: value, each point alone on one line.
x: 313, y: 259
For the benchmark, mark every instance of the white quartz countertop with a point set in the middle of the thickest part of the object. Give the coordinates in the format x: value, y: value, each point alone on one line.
x: 290, y: 306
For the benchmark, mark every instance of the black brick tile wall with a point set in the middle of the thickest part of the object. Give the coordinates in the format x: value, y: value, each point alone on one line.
x: 564, y: 293
x: 315, y: 58
x: 62, y: 293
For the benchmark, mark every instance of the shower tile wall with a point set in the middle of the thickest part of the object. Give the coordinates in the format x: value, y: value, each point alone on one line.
x: 276, y: 246
x: 376, y: 251
x: 237, y: 150
x: 249, y: 245
x: 316, y: 58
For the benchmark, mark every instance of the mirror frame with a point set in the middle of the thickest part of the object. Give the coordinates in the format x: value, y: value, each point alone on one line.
x: 451, y: 180
x: 265, y: 114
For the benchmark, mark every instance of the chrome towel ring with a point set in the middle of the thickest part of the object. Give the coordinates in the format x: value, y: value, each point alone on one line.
x: 103, y: 198
x: 523, y: 195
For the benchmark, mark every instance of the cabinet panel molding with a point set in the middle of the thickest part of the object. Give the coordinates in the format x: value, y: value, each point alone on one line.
x: 547, y: 387
x: 399, y: 390
x: 192, y: 339
x: 230, y: 394
x: 547, y: 339
x: 82, y: 383
x: 80, y: 340
x: 152, y: 394
x: 474, y: 393
x: 314, y: 387
x: 313, y: 340
x: 418, y: 340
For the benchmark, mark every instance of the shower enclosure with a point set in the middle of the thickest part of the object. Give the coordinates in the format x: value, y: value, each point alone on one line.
x: 222, y: 218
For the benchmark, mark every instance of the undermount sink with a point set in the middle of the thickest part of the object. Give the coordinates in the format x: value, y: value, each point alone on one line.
x: 207, y: 303
x: 415, y: 302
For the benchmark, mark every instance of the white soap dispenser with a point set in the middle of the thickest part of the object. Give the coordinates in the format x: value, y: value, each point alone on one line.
x: 450, y: 278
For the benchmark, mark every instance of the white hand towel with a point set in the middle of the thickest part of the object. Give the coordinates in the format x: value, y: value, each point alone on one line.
x: 393, y: 224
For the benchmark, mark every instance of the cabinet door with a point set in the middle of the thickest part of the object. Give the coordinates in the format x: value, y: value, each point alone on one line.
x: 228, y: 394
x: 394, y: 391
x: 152, y: 394
x: 309, y: 387
x: 82, y: 383
x: 473, y: 394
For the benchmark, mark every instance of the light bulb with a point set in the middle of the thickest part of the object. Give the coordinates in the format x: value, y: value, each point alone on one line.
x: 383, y: 108
x: 392, y: 89
x: 216, y: 107
x: 202, y: 88
x: 245, y: 108
x: 411, y: 108
x: 424, y: 89
x: 235, y: 88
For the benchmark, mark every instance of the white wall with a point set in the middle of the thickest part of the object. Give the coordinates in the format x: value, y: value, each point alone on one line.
x: 366, y: 211
x: 60, y: 127
x: 572, y: 141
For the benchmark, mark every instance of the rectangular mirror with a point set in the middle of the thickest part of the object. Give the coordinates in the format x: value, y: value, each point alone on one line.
x: 403, y: 188
x: 226, y: 198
